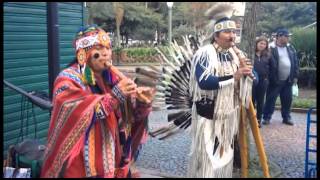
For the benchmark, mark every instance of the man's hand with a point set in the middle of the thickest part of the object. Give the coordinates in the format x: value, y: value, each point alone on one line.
x: 145, y: 94
x: 127, y: 87
x: 243, y: 71
x: 245, y: 62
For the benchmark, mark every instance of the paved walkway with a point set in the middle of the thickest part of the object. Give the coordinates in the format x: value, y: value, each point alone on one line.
x: 284, y: 145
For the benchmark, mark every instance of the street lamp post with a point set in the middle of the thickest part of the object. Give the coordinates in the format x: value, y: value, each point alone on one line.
x: 170, y: 4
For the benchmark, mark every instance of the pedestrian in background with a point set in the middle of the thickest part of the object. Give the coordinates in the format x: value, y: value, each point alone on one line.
x: 262, y: 62
x: 273, y: 40
x: 283, y: 74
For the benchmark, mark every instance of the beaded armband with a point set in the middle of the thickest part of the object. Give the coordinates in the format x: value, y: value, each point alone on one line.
x: 117, y: 92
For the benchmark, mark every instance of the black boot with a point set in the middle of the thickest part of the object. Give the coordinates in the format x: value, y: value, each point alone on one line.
x: 288, y: 122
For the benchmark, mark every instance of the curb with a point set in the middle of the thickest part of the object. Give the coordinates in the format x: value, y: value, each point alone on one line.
x: 297, y: 110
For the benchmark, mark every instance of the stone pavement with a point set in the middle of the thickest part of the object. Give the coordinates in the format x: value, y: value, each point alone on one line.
x: 284, y: 146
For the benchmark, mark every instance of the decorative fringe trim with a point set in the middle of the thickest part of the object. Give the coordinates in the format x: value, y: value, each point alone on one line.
x: 225, y: 115
x: 246, y: 91
x: 223, y: 84
x: 203, y: 164
x: 224, y: 126
x: 202, y: 55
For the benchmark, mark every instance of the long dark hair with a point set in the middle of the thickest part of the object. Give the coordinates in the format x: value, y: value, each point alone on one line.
x: 266, y: 51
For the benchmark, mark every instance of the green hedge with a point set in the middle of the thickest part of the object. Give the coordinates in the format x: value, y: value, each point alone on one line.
x: 140, y: 52
x: 305, y: 42
x: 307, y: 77
x: 137, y: 55
x: 300, y: 102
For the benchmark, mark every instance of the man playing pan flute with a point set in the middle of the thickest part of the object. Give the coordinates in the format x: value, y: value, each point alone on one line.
x: 93, y: 132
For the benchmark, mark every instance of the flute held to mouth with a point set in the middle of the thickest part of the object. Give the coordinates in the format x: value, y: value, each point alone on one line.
x: 245, y: 63
x: 128, y: 87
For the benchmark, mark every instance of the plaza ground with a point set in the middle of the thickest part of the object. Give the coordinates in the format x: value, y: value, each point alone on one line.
x: 284, y: 146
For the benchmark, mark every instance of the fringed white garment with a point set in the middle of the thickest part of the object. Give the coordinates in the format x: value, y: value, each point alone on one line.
x: 245, y: 91
x: 225, y: 123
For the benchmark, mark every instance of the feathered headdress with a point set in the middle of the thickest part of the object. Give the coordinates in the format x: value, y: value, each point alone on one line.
x: 219, y: 15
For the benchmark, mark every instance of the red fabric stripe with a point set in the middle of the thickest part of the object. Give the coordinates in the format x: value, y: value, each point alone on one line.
x: 99, y: 144
x: 72, y: 120
x: 74, y: 92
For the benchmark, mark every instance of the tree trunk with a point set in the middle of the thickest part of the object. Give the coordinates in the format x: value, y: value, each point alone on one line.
x: 249, y: 29
x: 119, y: 12
x: 158, y: 35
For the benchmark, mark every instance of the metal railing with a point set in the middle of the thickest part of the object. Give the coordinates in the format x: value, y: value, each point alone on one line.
x: 40, y: 102
x: 310, y: 166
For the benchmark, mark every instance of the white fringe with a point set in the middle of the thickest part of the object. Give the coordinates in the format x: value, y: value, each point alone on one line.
x: 226, y: 83
x: 207, y: 52
x: 203, y: 163
x: 246, y: 91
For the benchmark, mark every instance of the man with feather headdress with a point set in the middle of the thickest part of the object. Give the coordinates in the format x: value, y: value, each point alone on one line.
x: 214, y: 84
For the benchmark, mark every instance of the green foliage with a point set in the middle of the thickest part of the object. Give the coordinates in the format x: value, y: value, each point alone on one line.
x: 143, y: 33
x: 300, y: 102
x: 303, y: 103
x: 142, y: 19
x: 137, y: 12
x: 304, y: 41
x: 116, y: 50
x: 307, y: 77
x: 274, y: 15
x: 180, y: 31
x: 140, y: 52
x: 138, y: 20
x: 164, y: 49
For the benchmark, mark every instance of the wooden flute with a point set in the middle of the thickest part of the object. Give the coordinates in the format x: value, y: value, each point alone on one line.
x: 241, y: 56
x: 115, y: 70
x: 254, y: 128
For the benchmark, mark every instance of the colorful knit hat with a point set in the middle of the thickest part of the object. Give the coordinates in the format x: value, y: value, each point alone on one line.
x: 88, y: 37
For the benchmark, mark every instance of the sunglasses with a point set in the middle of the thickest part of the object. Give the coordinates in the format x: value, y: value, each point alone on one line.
x: 96, y: 56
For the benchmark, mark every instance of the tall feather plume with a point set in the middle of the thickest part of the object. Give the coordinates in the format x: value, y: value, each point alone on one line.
x: 220, y: 10
x: 173, y: 89
x: 217, y: 11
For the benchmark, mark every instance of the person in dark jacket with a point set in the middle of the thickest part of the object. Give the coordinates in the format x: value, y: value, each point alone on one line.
x: 262, y: 62
x: 284, y: 73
